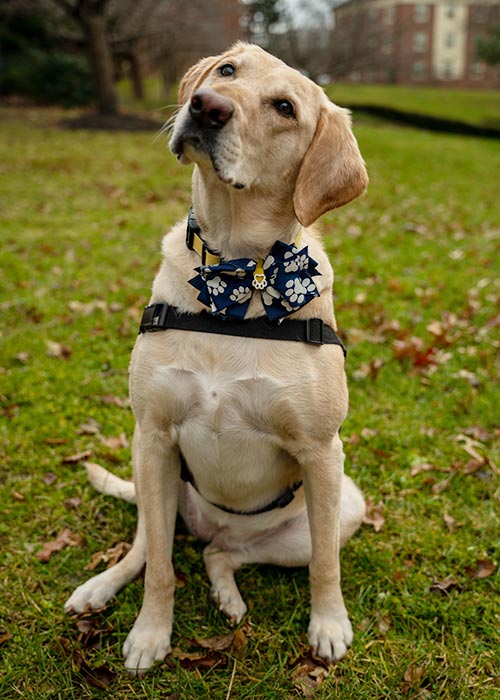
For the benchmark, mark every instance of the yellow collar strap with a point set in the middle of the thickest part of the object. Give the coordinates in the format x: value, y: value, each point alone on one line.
x: 195, y: 242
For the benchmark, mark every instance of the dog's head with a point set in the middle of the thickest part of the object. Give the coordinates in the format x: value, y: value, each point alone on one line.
x: 254, y: 123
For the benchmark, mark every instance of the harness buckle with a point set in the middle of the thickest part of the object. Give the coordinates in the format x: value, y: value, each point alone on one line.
x: 314, y: 331
x: 154, y: 317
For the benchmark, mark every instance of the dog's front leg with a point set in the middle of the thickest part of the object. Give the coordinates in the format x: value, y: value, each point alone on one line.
x: 157, y: 483
x: 330, y: 631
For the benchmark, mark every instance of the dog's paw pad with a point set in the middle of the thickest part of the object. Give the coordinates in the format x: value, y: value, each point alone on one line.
x: 143, y: 647
x: 330, y: 636
x: 230, y: 603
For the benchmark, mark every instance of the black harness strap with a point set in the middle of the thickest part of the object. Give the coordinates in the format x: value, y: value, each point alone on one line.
x: 280, y: 502
x: 161, y: 316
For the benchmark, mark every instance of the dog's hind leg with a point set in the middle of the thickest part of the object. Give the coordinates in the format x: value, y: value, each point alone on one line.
x: 289, y: 545
x: 97, y: 591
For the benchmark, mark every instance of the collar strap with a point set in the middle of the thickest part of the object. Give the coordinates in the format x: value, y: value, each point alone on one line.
x: 195, y: 242
x: 283, y: 500
x: 161, y: 316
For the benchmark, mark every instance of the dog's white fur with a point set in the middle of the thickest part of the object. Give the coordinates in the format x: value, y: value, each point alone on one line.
x: 250, y: 416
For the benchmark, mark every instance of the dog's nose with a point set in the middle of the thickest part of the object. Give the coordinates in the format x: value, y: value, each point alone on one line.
x: 209, y: 109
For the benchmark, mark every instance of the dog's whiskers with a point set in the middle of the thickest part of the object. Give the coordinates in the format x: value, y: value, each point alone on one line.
x: 168, y: 125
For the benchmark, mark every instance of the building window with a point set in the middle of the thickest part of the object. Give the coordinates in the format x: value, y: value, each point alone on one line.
x: 450, y: 40
x: 419, y: 42
x: 447, y: 71
x: 477, y: 70
x: 390, y: 14
x: 421, y: 12
x: 480, y: 14
x: 450, y: 10
x: 387, y: 44
x: 419, y: 70
x: 372, y: 13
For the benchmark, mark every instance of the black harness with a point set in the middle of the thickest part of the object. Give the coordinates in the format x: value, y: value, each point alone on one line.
x: 161, y: 316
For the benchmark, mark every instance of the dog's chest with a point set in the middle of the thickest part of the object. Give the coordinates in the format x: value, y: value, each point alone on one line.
x: 225, y: 428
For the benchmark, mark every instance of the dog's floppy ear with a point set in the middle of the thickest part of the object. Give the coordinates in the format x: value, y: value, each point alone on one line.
x: 195, y: 76
x: 332, y: 172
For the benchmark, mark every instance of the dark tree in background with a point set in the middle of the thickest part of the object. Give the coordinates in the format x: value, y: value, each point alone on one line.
x: 91, y: 16
x: 488, y: 48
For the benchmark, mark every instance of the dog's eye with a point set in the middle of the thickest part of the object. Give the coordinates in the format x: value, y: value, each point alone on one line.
x: 285, y: 107
x: 226, y: 70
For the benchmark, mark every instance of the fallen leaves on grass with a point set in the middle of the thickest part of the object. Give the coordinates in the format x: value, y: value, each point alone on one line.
x: 110, y: 557
x: 99, y: 677
x: 447, y: 584
x: 86, y: 308
x: 90, y: 427
x: 111, y: 399
x: 78, y: 457
x: 59, y: 351
x: 374, y: 515
x: 4, y: 636
x: 215, y: 643
x: 482, y: 569
x: 65, y: 538
x: 115, y: 442
x: 213, y: 651
x: 308, y: 673
x: 368, y: 369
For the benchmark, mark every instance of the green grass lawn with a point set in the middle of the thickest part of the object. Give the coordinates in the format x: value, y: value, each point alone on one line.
x: 476, y: 107
x: 418, y: 303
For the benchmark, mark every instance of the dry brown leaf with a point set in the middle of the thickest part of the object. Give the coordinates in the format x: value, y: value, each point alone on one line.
x: 64, y: 539
x: 414, y: 674
x: 91, y: 427
x: 115, y: 442
x: 441, y: 485
x: 421, y: 467
x: 470, y: 446
x: 374, y: 515
x: 450, y: 523
x: 60, y: 351
x: 115, y: 400
x: 55, y: 441
x: 215, y: 643
x: 447, y: 584
x: 307, y: 676
x: 110, y: 557
x: 4, y: 636
x: 177, y: 653
x: 483, y: 569
x: 78, y: 457
x: 240, y: 643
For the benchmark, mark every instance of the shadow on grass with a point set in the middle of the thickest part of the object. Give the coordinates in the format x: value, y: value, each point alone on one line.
x: 423, y: 121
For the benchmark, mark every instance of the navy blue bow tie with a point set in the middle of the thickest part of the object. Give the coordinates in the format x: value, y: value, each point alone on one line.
x: 284, y: 279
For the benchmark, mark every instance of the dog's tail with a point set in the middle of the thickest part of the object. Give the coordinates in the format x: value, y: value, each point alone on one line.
x: 109, y: 484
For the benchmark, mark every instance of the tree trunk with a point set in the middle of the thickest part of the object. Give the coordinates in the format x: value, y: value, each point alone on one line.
x: 102, y: 63
x: 136, y: 72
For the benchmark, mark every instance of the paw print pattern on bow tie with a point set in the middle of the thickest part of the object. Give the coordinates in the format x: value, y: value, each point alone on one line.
x: 226, y: 288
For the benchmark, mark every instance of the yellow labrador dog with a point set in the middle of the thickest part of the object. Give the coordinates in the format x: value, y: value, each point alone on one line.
x: 241, y: 434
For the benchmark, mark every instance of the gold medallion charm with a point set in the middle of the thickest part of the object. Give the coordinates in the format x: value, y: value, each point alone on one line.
x: 259, y: 278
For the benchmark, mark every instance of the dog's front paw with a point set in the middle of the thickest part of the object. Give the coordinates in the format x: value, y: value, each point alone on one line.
x: 144, y: 645
x: 330, y: 635
x: 91, y: 595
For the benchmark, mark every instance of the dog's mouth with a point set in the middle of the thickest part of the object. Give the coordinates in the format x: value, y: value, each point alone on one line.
x: 205, y: 144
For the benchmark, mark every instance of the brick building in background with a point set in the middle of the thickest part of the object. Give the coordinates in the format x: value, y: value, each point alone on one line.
x: 402, y: 41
